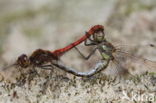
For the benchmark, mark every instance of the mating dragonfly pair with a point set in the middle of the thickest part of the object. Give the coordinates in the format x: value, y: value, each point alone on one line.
x: 110, y: 54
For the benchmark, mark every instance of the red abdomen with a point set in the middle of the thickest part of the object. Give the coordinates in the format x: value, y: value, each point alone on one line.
x: 94, y: 29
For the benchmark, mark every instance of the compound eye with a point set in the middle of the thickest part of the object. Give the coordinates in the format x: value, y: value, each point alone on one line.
x: 99, y: 36
x: 25, y: 58
x: 23, y: 61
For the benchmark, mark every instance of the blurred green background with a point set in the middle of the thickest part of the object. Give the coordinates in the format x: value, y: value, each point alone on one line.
x: 26, y: 25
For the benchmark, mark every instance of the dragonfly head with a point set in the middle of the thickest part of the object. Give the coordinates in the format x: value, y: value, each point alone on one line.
x: 99, y: 36
x: 23, y: 61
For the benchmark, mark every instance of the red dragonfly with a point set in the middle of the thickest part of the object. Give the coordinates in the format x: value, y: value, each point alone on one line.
x: 44, y: 58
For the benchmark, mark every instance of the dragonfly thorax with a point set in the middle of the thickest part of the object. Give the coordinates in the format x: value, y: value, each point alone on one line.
x: 106, y: 49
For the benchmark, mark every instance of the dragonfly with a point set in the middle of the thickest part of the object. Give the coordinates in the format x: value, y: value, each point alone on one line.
x: 116, y: 57
x: 45, y: 59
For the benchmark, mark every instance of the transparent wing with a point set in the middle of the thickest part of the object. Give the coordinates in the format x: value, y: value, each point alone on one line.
x: 133, y: 62
x: 116, y: 67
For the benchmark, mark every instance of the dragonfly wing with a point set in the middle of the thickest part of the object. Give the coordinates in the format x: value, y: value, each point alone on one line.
x: 117, y: 68
x: 132, y: 62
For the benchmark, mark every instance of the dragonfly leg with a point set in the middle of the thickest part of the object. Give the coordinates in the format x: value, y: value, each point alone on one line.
x: 89, y: 44
x: 89, y: 38
x: 86, y: 57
